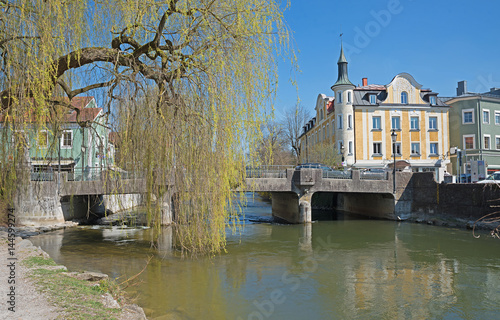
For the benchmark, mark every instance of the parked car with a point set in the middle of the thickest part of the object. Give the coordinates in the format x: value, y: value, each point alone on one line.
x: 494, y: 178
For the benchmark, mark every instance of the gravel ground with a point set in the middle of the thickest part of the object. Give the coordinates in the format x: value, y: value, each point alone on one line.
x: 31, y: 304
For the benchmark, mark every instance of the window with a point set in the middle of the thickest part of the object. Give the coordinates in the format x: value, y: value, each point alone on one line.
x: 497, y: 118
x: 467, y: 116
x: 497, y: 138
x: 486, y: 116
x: 333, y: 127
x: 373, y: 99
x: 469, y: 142
x: 415, y: 148
x: 339, y: 121
x: 377, y: 148
x: 350, y: 148
x: 341, y: 146
x: 432, y: 100
x: 414, y: 123
x: 396, y: 147
x: 396, y: 124
x: 349, y: 121
x: 376, y: 123
x: 321, y: 115
x: 486, y: 142
x: 349, y: 98
x: 67, y: 139
x: 433, y: 123
x: 339, y: 97
x: 43, y: 139
x: 404, y: 97
x: 434, y: 148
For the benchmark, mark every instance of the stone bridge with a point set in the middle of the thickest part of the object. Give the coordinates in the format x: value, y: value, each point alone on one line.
x: 366, y: 193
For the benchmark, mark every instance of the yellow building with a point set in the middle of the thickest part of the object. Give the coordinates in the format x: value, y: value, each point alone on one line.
x: 357, y: 122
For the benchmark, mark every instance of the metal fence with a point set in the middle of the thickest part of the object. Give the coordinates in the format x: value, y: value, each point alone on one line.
x: 267, y: 171
x: 337, y: 174
x: 85, y: 174
x: 369, y: 175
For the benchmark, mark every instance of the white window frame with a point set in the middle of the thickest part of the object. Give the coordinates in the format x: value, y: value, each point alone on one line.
x: 437, y: 149
x: 377, y: 145
x: 418, y: 123
x: 464, y: 111
x: 497, y: 117
x: 405, y: 99
x: 432, y: 100
x: 435, y: 122
x: 496, y: 143
x: 339, y: 97
x: 349, y: 97
x: 473, y: 136
x: 349, y: 122
x: 486, y: 112
x: 399, y: 122
x: 412, y: 149
x: 62, y: 139
x: 340, y: 121
x: 379, y: 122
x: 487, y: 147
x: 373, y: 98
x: 350, y: 148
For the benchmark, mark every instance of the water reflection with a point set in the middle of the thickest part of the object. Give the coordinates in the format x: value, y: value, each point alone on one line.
x: 325, y: 270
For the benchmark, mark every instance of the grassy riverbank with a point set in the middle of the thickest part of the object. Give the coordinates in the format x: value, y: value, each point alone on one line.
x: 49, y: 291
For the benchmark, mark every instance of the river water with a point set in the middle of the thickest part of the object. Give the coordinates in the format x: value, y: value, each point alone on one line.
x: 341, y: 269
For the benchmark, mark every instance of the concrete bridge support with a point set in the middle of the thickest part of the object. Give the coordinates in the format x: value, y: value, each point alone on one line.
x: 288, y: 207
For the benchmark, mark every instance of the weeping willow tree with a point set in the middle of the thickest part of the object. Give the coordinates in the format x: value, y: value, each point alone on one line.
x: 186, y: 82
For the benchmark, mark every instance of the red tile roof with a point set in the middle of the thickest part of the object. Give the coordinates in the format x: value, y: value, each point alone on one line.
x: 86, y: 114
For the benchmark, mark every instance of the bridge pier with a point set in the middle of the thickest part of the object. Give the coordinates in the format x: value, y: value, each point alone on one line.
x: 288, y: 207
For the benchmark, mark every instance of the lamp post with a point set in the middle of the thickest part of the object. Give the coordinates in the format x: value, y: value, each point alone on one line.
x: 393, y: 137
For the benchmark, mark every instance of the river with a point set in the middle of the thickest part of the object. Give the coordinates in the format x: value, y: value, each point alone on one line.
x: 341, y: 269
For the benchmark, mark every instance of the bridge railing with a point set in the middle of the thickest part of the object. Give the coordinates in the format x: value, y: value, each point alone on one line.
x: 85, y: 174
x: 278, y: 171
x: 368, y: 175
x: 337, y: 174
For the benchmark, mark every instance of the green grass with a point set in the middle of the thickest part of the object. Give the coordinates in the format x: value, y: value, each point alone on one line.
x: 79, y: 299
x: 38, y: 261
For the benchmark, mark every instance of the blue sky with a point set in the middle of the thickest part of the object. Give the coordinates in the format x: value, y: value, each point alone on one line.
x: 438, y: 42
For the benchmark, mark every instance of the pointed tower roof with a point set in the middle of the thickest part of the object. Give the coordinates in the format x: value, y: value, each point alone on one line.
x: 343, y: 78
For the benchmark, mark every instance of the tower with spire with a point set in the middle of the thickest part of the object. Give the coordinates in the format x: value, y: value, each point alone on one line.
x: 344, y: 111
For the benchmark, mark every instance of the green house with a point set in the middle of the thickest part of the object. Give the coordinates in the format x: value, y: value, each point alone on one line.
x: 81, y: 146
x: 475, y: 126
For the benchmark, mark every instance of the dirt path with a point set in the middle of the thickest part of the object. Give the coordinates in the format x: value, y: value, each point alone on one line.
x: 29, y: 304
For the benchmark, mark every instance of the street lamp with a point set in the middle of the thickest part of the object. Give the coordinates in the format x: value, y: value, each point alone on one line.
x: 393, y: 137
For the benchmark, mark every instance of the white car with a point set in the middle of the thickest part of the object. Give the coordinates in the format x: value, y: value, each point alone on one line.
x: 494, y: 178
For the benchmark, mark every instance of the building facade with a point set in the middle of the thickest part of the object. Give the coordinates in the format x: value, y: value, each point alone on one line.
x: 475, y: 126
x: 362, y: 120
x: 81, y: 145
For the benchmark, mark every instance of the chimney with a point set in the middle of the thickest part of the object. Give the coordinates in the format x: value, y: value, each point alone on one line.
x: 365, y: 82
x: 462, y: 88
